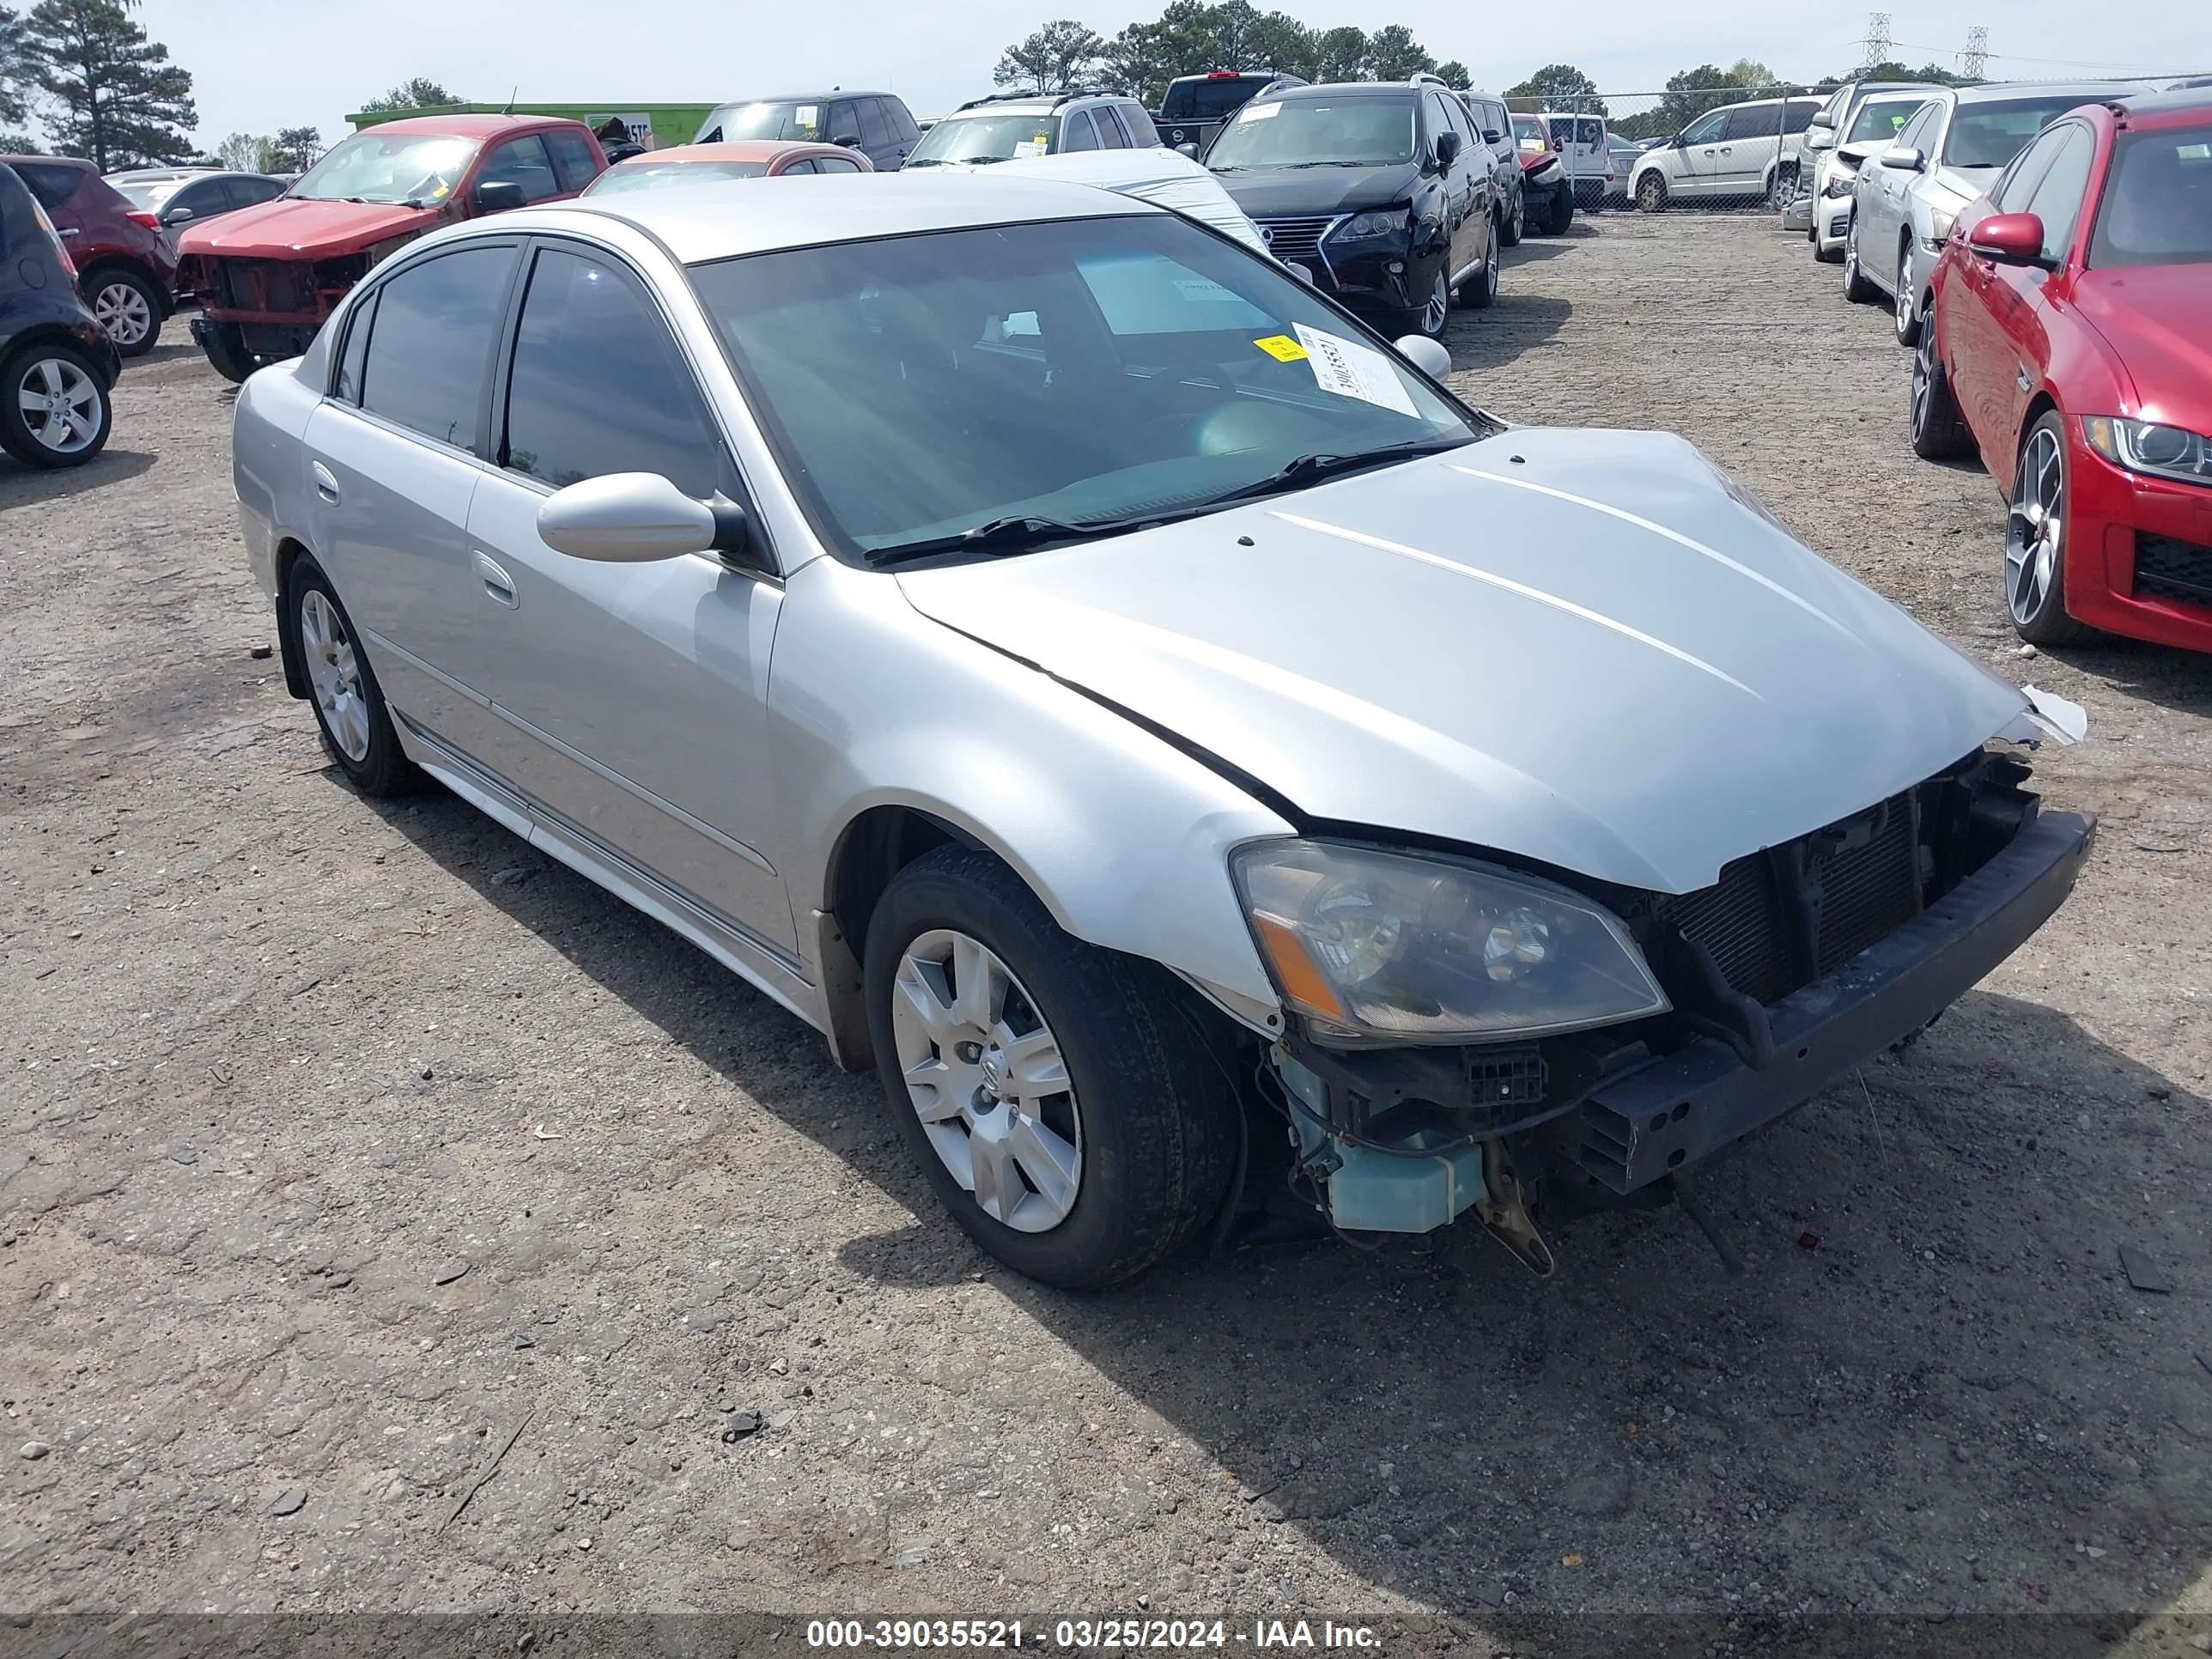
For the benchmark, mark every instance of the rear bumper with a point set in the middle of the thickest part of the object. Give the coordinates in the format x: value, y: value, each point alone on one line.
x: 1674, y: 1113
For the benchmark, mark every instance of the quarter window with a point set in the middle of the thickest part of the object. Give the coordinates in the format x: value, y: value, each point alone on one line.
x: 52, y: 186
x: 357, y: 348
x: 597, y: 385
x: 522, y: 161
x: 432, y: 340
x: 1759, y: 121
x: 1143, y: 135
x: 876, y: 131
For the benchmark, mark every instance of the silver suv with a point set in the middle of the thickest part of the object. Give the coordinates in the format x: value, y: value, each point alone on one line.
x: 1014, y: 125
x: 1144, y: 716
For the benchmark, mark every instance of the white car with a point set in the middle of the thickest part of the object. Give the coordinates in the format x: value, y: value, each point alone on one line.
x: 1150, y: 174
x: 1738, y: 152
x: 1874, y: 128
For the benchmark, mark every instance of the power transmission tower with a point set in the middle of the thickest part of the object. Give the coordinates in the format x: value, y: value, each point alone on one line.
x: 1975, y: 60
x: 1877, y: 39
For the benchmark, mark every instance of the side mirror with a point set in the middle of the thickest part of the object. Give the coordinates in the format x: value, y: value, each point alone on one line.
x: 2010, y: 239
x: 1822, y: 119
x: 1905, y: 159
x: 499, y: 196
x: 1492, y: 136
x: 847, y: 140
x: 1426, y: 354
x: 177, y: 216
x: 1447, y: 148
x: 635, y: 518
x: 1188, y: 149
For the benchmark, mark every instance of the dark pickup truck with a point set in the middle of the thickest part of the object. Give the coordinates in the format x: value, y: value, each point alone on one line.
x: 1197, y: 106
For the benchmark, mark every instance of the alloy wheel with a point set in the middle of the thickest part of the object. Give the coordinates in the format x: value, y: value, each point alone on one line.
x: 122, y: 310
x: 1851, y: 256
x: 1923, y: 375
x: 1904, y: 313
x: 2033, y: 527
x: 334, y: 673
x: 986, y: 1075
x: 60, y: 405
x: 1432, y: 313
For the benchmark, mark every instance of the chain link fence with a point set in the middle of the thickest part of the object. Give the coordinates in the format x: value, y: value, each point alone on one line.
x: 1723, y: 147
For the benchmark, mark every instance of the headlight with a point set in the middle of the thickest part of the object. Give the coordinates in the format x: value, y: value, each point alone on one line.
x: 1386, y: 223
x: 1939, y: 221
x: 1370, y: 944
x: 2171, y: 451
x: 1838, y: 184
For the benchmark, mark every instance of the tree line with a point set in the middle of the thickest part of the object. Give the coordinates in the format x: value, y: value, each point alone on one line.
x: 1191, y: 37
x: 1690, y: 93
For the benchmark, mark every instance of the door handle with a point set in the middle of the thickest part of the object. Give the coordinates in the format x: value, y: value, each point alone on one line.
x: 67, y: 230
x: 327, y: 485
x: 498, y: 587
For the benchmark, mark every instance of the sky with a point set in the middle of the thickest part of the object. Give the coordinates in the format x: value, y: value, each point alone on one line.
x: 261, y: 65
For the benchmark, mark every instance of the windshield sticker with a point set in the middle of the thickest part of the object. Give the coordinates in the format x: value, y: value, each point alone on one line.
x: 1203, y: 288
x: 805, y: 116
x: 1282, y: 348
x: 1261, y: 112
x: 1352, y: 370
x: 1036, y: 146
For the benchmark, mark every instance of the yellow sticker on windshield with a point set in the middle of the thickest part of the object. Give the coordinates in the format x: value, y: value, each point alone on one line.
x: 1282, y: 348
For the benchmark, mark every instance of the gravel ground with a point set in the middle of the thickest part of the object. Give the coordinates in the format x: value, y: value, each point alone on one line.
x: 347, y: 1141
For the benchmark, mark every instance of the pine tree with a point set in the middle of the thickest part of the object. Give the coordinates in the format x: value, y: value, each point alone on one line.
x: 122, y: 101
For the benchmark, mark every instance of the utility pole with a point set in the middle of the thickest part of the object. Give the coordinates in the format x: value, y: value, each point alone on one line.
x: 1877, y: 39
x: 1974, y: 61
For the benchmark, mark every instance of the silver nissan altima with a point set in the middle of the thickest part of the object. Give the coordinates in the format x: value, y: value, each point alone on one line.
x: 1141, y: 714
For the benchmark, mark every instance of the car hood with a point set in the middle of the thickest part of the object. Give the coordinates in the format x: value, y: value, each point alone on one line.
x: 1302, y: 192
x: 1531, y: 160
x: 1585, y: 648
x: 289, y: 227
x: 2153, y: 318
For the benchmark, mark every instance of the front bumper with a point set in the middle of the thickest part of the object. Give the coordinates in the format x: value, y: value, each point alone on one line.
x: 1674, y: 1113
x: 1797, y: 213
x: 2139, y: 560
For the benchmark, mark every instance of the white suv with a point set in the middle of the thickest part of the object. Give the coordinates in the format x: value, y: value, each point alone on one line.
x: 1744, y: 151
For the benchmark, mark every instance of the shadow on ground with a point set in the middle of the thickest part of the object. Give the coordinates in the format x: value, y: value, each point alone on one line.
x: 1930, y: 1424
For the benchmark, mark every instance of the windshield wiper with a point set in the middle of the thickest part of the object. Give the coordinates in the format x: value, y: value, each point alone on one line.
x: 1312, y: 469
x: 1019, y: 534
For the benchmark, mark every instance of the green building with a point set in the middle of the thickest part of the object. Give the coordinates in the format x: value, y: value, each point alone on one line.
x: 655, y: 125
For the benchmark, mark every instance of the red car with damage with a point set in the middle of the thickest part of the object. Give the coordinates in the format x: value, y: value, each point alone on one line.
x: 2071, y: 344
x: 266, y: 278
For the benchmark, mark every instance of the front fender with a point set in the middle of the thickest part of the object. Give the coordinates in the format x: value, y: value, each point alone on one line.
x: 1122, y: 836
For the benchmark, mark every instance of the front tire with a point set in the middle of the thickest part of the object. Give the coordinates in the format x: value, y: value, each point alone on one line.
x: 2035, y: 538
x: 1563, y: 211
x: 1857, y: 288
x: 1481, y: 293
x: 1064, y: 1110
x: 225, y: 345
x: 1650, y: 192
x: 127, y: 306
x: 1429, y: 320
x: 351, y: 713
x: 54, y: 409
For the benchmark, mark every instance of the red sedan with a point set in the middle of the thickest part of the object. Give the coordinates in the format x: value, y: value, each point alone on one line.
x: 2072, y: 344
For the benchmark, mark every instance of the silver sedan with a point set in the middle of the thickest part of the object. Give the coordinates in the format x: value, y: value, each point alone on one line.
x: 1134, y: 710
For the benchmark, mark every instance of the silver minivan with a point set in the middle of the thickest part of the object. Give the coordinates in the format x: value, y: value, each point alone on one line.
x: 1741, y: 152
x: 1141, y: 714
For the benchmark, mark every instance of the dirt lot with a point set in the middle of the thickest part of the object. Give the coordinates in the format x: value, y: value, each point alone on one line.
x: 345, y: 1141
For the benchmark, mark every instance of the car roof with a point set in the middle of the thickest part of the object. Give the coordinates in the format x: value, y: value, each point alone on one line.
x: 469, y: 127
x: 1354, y: 89
x: 831, y: 96
x: 707, y: 221
x: 80, y: 164
x: 2176, y: 105
x: 737, y: 149
x: 1999, y: 92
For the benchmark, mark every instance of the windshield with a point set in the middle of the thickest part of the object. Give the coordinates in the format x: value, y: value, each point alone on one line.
x: 1528, y: 133
x: 652, y: 175
x: 388, y: 166
x: 1203, y: 100
x: 1079, y: 370
x: 148, y: 195
x: 987, y: 138
x: 792, y: 120
x: 1355, y: 131
x: 1586, y: 129
x: 1882, y: 119
x: 1991, y: 135
x: 2158, y: 201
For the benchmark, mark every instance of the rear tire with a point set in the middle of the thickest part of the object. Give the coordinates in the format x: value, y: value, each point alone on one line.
x: 1145, y: 1107
x: 67, y: 432
x: 350, y: 715
x: 225, y: 344
x: 1650, y: 192
x: 1509, y: 227
x: 1939, y: 433
x: 1480, y: 291
x: 127, y: 305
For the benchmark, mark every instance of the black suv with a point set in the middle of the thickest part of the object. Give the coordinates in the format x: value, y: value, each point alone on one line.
x: 876, y: 124
x: 1197, y: 106
x: 1382, y: 192
x: 57, y: 363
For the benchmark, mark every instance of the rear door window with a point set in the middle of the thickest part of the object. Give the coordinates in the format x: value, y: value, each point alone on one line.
x: 1076, y: 131
x: 431, y: 342
x: 575, y: 158
x: 1759, y: 121
x: 522, y: 161
x: 52, y: 186
x: 875, y: 132
x: 835, y: 164
x: 1143, y: 135
x: 844, y: 122
x: 597, y: 385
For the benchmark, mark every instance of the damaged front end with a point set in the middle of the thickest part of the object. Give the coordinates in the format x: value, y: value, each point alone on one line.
x: 1469, y: 1036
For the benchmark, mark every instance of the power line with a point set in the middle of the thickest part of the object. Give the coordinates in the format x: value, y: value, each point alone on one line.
x: 2022, y: 57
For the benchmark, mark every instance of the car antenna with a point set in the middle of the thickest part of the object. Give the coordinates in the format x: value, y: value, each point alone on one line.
x: 511, y: 97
